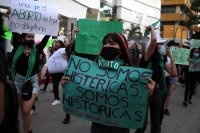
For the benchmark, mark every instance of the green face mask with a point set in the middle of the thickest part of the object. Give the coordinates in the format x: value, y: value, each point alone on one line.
x: 133, y: 49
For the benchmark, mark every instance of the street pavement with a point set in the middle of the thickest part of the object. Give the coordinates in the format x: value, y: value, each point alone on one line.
x: 49, y: 118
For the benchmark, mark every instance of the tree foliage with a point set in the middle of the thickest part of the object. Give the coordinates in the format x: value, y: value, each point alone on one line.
x: 134, y: 30
x: 194, y: 19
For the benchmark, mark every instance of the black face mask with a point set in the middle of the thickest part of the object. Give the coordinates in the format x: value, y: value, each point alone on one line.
x: 109, y: 53
x: 29, y: 43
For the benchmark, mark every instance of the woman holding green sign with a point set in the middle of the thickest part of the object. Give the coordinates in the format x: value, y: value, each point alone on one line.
x: 190, y: 78
x: 114, y: 48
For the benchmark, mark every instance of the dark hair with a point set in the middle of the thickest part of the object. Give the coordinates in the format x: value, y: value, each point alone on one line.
x: 1, y: 28
x: 191, y: 52
x: 23, y: 35
x: 121, y: 40
x: 171, y: 42
x: 62, y: 45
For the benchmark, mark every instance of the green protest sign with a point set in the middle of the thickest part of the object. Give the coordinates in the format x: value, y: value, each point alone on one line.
x: 49, y: 43
x: 180, y: 55
x: 7, y: 34
x: 89, y: 38
x: 194, y: 43
x: 113, y: 98
x: 194, y: 66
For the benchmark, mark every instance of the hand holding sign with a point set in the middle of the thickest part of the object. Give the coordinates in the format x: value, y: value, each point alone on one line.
x: 113, y: 98
x: 150, y: 86
x: 33, y: 17
x: 64, y: 80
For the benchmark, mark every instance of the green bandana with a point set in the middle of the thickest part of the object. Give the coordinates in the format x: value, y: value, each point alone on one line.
x: 164, y: 89
x: 133, y: 49
x: 31, y: 62
x: 111, y: 64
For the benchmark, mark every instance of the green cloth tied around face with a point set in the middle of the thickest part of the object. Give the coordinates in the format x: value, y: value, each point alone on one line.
x: 164, y: 89
x: 31, y: 61
x: 111, y: 64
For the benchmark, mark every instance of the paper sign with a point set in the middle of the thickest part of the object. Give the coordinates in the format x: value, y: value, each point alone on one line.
x: 89, y: 38
x: 180, y: 55
x: 61, y: 38
x: 5, y: 3
x: 194, y: 43
x: 194, y: 66
x: 92, y: 14
x: 34, y: 17
x: 113, y: 98
x: 104, y: 18
x: 57, y: 63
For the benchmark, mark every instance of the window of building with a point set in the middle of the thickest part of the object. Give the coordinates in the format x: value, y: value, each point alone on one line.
x: 168, y: 9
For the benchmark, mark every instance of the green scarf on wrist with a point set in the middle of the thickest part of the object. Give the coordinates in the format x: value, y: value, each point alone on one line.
x: 164, y: 89
x: 31, y: 62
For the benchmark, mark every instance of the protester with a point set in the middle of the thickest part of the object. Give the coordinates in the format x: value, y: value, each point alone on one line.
x: 134, y: 53
x: 3, y: 71
x: 173, y: 80
x: 190, y: 78
x: 114, y: 47
x: 47, y: 74
x: 56, y: 77
x: 25, y: 50
x: 153, y: 59
x: 163, y: 99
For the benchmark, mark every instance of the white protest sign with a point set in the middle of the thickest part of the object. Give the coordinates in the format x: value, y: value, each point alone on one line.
x: 34, y: 17
x: 92, y: 14
x: 61, y: 38
x: 57, y: 63
x: 5, y: 3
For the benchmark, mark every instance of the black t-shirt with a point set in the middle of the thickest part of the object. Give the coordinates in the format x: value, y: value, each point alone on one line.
x: 3, y: 66
x: 22, y: 65
x: 157, y: 70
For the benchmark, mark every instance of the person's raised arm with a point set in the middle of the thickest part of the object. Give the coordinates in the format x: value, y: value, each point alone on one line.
x: 43, y: 43
x: 152, y: 46
x: 172, y: 70
x: 16, y: 40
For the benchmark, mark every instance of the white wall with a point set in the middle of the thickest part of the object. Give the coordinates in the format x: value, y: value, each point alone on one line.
x: 142, y: 12
x: 90, y: 3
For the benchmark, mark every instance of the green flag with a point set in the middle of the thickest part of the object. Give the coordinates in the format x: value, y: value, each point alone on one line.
x: 7, y: 34
x: 154, y: 25
x: 49, y: 43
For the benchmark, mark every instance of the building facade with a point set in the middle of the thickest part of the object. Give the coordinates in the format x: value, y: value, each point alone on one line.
x: 174, y: 15
x: 138, y: 12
